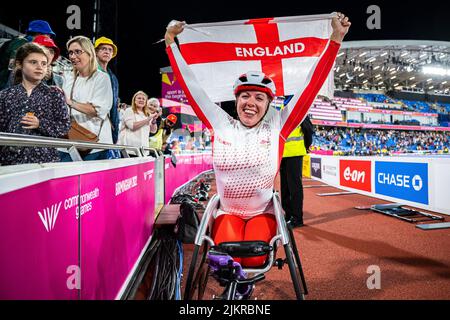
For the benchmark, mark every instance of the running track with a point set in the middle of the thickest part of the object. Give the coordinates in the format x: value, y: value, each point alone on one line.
x: 339, y: 243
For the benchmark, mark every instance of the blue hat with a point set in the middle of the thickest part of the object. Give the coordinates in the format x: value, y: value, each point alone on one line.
x: 40, y: 26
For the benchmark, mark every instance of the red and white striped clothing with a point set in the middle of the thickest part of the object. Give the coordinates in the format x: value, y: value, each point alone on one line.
x: 245, y: 160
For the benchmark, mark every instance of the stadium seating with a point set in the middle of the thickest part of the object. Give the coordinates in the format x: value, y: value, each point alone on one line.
x: 373, y: 97
x: 419, y: 106
x: 322, y: 110
x: 350, y: 141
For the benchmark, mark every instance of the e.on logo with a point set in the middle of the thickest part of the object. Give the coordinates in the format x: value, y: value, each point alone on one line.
x: 356, y: 174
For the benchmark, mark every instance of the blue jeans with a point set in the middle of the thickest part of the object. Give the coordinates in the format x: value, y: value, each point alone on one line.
x: 102, y: 155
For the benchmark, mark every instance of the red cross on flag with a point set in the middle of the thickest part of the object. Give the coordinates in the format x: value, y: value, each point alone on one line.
x: 285, y: 49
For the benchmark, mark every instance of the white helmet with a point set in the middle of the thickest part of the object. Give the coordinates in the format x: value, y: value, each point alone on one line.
x: 255, y: 80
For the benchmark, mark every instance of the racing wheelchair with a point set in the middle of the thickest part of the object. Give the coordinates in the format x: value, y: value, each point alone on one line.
x: 209, y: 259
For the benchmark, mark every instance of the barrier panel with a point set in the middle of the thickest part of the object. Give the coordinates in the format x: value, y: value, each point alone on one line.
x: 187, y: 168
x: 39, y: 241
x: 420, y: 181
x: 115, y: 226
x: 78, y: 230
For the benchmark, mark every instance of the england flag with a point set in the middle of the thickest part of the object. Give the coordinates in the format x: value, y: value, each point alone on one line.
x: 285, y: 49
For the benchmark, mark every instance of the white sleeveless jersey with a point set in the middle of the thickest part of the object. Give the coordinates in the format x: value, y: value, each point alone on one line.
x: 246, y: 163
x: 246, y: 160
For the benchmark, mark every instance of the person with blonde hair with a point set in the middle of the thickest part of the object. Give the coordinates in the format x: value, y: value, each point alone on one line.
x: 138, y: 121
x: 88, y: 94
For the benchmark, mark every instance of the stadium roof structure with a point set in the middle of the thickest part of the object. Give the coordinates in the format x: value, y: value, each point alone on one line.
x: 408, y: 65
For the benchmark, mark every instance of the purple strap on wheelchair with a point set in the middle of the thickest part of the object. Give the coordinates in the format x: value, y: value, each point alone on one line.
x: 219, y: 260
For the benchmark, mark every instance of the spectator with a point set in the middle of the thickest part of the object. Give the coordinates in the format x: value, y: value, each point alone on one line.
x: 88, y: 94
x: 166, y: 149
x: 31, y: 107
x: 164, y: 131
x: 107, y: 50
x: 138, y: 122
x: 291, y: 172
x: 175, y: 148
x: 122, y: 107
x: 53, y: 53
x: 207, y: 137
x: 9, y: 49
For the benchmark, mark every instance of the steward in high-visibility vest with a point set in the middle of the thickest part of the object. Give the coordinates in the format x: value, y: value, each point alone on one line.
x: 295, y: 144
x: 291, y: 178
x: 165, y: 128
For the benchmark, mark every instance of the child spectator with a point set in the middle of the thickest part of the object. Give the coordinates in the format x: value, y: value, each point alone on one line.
x: 31, y: 107
x: 9, y: 49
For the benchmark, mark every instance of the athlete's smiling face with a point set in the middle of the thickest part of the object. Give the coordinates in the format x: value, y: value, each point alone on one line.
x: 251, y: 107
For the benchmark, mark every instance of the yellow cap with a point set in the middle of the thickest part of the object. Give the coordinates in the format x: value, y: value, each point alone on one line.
x: 104, y: 40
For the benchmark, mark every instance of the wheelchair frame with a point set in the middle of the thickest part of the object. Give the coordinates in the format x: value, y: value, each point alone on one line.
x: 198, y: 277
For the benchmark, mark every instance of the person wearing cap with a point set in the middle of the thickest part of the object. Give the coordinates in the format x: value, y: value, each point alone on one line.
x: 53, y: 53
x: 9, y: 49
x: 168, y: 125
x: 106, y: 50
x: 247, y: 151
x: 50, y: 45
x: 165, y: 128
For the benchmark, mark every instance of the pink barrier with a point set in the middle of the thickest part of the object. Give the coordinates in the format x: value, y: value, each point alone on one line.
x: 323, y: 152
x: 41, y: 228
x: 115, y: 227
x: 378, y: 126
x: 79, y: 237
x: 187, y: 168
x: 39, y: 246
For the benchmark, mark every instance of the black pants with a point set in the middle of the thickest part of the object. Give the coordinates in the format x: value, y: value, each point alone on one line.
x: 292, y: 188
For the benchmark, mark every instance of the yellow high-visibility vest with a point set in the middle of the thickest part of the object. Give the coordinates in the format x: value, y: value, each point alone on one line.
x: 295, y: 144
x: 156, y: 140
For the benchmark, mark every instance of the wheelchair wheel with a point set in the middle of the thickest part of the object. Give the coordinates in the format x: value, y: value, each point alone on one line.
x: 297, y: 260
x: 198, y: 274
x: 294, y: 269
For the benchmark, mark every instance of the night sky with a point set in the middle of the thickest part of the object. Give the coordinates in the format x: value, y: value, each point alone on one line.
x: 135, y: 25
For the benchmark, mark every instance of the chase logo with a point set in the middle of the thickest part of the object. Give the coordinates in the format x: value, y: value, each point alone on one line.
x: 406, y: 181
x: 417, y: 183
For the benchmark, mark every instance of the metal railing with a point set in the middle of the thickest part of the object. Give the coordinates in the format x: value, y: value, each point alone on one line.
x: 24, y: 140
x: 8, y: 32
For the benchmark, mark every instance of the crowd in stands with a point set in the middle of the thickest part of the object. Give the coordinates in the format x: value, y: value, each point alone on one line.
x: 378, y: 98
x: 405, y: 105
x: 370, y: 142
x: 189, y: 141
x: 81, y: 103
